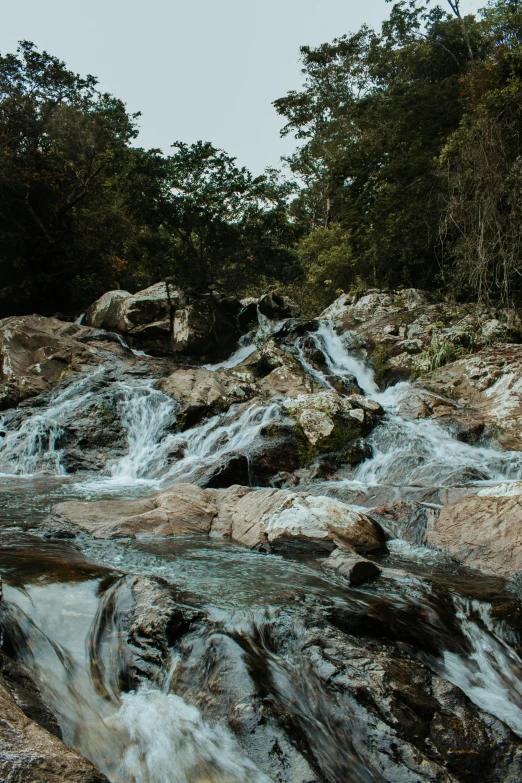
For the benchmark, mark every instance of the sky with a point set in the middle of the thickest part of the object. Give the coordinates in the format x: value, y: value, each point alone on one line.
x: 196, y: 69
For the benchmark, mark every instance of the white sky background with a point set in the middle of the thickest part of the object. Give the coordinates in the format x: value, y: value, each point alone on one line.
x: 196, y: 69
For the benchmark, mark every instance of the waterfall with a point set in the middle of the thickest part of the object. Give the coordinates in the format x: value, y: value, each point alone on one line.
x: 491, y: 673
x: 146, y: 417
x: 337, y: 358
x: 248, y: 343
x: 36, y: 446
x: 419, y: 452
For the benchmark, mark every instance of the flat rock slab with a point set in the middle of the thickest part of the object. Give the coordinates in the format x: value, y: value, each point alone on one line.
x: 266, y: 519
x: 482, y: 530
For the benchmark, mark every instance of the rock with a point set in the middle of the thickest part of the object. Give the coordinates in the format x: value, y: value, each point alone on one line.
x: 36, y: 353
x: 285, y: 521
x: 357, y: 570
x: 405, y: 519
x: 276, y: 373
x: 164, y: 320
x: 202, y: 392
x: 27, y: 695
x: 152, y: 617
x: 407, y: 334
x: 488, y: 387
x: 483, y: 530
x: 30, y: 754
x: 328, y: 422
x: 276, y: 307
x: 266, y: 519
x: 180, y: 510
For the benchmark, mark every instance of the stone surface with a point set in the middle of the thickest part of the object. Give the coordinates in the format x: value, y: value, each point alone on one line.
x: 407, y: 334
x: 329, y: 422
x: 36, y: 353
x: 165, y: 320
x: 182, y: 509
x: 202, y: 392
x: 266, y: 519
x: 357, y: 570
x: 30, y: 754
x: 488, y: 385
x: 483, y: 530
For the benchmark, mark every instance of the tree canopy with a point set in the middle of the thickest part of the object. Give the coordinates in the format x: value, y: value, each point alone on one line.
x: 407, y: 172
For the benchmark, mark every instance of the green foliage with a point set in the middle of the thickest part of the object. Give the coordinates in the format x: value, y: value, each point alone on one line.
x: 83, y: 211
x: 374, y: 114
x: 327, y: 260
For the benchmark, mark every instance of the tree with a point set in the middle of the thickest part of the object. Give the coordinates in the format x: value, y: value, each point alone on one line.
x: 374, y: 114
x: 482, y: 167
x: 61, y: 145
x: 230, y: 229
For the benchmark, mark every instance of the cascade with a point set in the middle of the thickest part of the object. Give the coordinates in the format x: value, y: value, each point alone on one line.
x: 176, y: 729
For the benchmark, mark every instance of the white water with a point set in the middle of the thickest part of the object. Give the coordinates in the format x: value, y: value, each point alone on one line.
x: 34, y: 447
x: 146, y: 415
x: 337, y: 358
x: 491, y: 675
x: 147, y: 735
x: 249, y: 343
x: 419, y: 452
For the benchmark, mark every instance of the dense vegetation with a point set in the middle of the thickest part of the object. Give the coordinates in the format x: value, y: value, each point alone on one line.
x: 408, y: 173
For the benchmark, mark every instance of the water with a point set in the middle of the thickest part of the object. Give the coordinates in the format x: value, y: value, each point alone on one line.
x: 35, y: 446
x: 248, y: 343
x: 251, y: 653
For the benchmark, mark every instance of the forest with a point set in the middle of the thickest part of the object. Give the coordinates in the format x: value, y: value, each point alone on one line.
x: 407, y: 173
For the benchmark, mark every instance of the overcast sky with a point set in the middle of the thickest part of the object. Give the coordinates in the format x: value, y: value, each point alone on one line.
x: 197, y: 69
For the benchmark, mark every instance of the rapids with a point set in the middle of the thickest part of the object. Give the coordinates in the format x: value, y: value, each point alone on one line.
x: 194, y: 717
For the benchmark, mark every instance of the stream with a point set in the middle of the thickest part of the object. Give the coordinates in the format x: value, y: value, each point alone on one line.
x: 244, y: 693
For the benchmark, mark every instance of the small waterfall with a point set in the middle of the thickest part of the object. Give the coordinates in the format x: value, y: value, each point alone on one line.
x: 207, y: 444
x: 338, y: 359
x: 146, y: 416
x: 144, y: 736
x: 249, y: 342
x: 491, y: 674
x: 35, y: 446
x: 419, y: 452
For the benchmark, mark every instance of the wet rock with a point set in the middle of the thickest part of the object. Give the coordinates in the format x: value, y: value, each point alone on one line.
x: 488, y: 387
x: 406, y: 519
x: 407, y: 334
x: 27, y: 695
x: 150, y: 617
x: 162, y: 320
x: 30, y: 754
x: 276, y: 372
x: 36, y: 353
x: 355, y: 569
x: 202, y: 392
x: 329, y: 422
x: 266, y: 519
x: 284, y: 521
x: 180, y: 510
x: 483, y: 530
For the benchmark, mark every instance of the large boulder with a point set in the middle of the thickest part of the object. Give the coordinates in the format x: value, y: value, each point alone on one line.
x: 407, y: 334
x: 482, y: 530
x: 162, y: 319
x: 180, y: 510
x: 264, y: 519
x: 201, y: 392
x: 36, y: 353
x: 487, y: 386
x: 329, y: 422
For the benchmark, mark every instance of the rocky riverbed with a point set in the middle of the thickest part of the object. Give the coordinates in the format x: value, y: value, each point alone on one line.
x: 239, y: 544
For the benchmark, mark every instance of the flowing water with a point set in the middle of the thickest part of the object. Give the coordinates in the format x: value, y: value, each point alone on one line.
x: 66, y: 606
